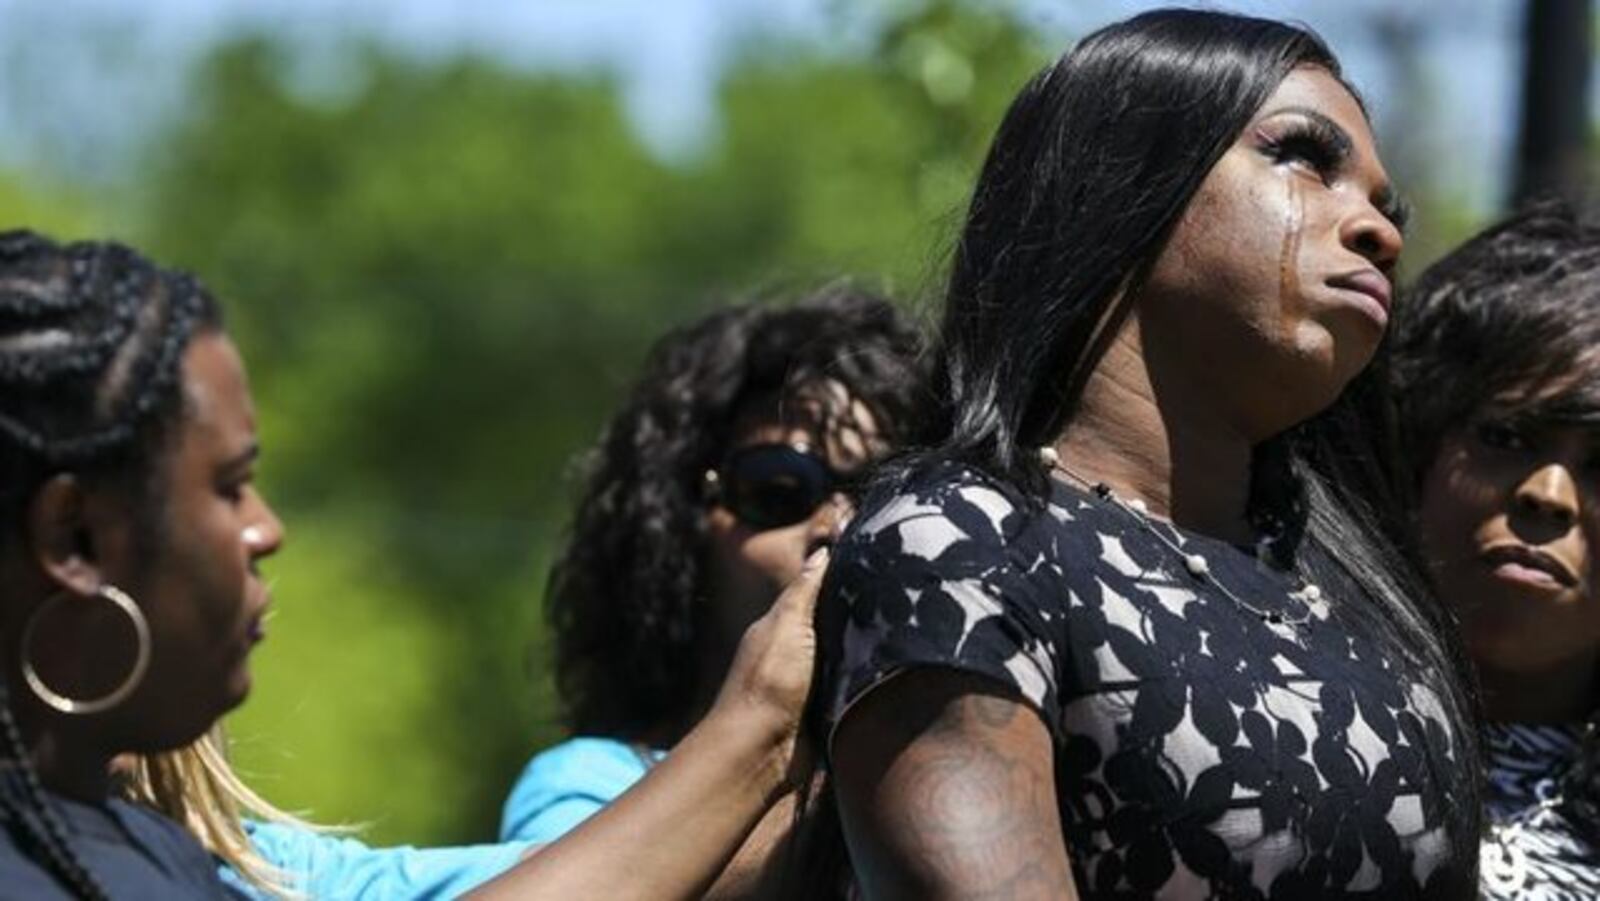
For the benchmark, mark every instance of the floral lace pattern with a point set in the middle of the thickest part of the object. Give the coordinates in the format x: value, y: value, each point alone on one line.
x: 1202, y: 751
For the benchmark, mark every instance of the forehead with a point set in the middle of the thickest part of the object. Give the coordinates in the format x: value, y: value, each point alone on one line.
x: 1567, y: 398
x: 217, y: 407
x: 1313, y: 87
x: 822, y: 414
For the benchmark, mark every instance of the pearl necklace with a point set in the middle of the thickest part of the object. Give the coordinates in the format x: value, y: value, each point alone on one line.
x: 1308, y: 595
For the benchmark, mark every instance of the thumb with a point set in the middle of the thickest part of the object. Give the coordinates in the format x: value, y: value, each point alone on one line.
x: 800, y: 598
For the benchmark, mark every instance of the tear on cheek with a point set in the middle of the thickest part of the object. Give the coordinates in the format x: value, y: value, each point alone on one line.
x: 1289, y: 250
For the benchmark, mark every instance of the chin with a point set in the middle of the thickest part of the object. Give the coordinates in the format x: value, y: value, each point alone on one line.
x: 238, y: 690
x: 1302, y: 396
x: 1492, y: 651
x: 1514, y: 644
x: 170, y: 735
x: 1335, y: 355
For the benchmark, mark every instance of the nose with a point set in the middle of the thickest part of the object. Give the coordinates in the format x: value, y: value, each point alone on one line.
x: 1550, y: 495
x: 265, y: 533
x: 1373, y: 235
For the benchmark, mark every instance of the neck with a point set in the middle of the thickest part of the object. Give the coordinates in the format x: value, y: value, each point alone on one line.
x: 711, y: 670
x: 70, y: 772
x: 64, y: 750
x: 1561, y: 693
x: 67, y: 764
x: 713, y: 658
x: 1168, y: 447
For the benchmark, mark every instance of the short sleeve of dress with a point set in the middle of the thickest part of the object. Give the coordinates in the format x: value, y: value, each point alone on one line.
x: 936, y: 576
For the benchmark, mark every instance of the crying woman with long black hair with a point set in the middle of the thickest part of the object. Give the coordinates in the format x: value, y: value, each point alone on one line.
x: 1139, y: 616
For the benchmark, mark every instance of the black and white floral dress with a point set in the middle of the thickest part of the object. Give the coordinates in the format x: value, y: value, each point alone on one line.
x: 1201, y: 750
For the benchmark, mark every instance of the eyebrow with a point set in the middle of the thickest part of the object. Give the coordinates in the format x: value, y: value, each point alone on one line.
x: 1341, y: 137
x: 1388, y: 202
x: 243, y: 459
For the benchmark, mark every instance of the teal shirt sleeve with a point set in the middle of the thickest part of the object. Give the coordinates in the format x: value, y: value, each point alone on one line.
x: 562, y: 786
x: 334, y: 868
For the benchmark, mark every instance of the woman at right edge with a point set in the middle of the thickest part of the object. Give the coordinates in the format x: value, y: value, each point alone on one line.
x: 1139, y: 619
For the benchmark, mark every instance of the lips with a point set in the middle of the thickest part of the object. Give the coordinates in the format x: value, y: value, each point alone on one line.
x: 1521, y: 563
x: 256, y: 630
x: 254, y: 626
x: 1370, y: 282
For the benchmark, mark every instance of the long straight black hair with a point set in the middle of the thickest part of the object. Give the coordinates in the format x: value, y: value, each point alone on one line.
x: 1092, y: 167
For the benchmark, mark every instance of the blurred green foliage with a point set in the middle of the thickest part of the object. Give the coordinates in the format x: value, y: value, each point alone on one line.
x: 443, y: 275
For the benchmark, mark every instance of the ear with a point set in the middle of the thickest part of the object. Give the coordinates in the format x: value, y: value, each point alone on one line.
x: 59, y: 537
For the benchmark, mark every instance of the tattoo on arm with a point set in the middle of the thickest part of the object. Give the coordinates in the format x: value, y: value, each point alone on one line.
x: 947, y: 790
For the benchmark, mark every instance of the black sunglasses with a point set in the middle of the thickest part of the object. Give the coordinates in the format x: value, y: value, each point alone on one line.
x: 769, y: 486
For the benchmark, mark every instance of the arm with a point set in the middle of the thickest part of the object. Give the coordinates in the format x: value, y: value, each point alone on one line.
x: 765, y: 865
x: 672, y: 833
x: 947, y: 790
x: 324, y: 865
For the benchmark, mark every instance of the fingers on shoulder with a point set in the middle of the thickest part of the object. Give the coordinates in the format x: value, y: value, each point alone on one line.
x: 800, y: 597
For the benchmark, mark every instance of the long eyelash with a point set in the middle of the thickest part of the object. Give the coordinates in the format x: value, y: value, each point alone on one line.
x: 1326, y: 148
x: 1397, y: 211
x: 1315, y: 141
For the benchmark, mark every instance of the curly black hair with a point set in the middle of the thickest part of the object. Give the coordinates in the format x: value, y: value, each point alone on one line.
x: 622, y: 595
x: 1512, y: 313
x: 92, y: 337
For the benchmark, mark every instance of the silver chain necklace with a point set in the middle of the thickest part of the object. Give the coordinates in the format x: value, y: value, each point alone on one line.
x: 1308, y: 595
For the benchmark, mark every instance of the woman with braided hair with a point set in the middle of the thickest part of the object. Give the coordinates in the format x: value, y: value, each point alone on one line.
x: 130, y: 536
x: 89, y: 369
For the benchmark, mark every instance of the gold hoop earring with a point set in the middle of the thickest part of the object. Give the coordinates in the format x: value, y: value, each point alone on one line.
x: 141, y: 660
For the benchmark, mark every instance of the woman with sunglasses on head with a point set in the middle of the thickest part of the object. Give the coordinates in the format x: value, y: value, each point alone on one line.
x: 130, y: 538
x: 726, y: 466
x: 1497, y: 372
x: 1136, y: 619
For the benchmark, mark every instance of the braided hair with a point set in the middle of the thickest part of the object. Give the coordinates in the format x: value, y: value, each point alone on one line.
x: 92, y: 337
